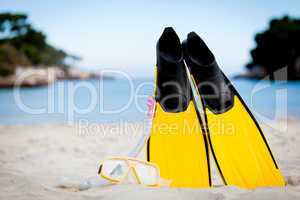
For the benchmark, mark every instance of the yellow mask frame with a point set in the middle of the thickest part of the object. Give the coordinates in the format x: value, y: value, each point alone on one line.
x: 131, y: 164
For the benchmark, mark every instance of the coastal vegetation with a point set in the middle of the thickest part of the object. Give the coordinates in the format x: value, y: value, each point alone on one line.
x: 25, y: 50
x: 22, y: 45
x: 276, y: 48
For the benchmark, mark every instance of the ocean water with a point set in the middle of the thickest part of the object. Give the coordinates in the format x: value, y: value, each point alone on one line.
x: 123, y: 100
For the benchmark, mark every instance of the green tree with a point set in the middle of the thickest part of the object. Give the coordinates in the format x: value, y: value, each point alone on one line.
x: 12, y: 25
x: 278, y: 47
x: 17, y: 33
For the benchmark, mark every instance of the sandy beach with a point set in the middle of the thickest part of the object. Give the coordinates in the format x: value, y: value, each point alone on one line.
x: 38, y: 161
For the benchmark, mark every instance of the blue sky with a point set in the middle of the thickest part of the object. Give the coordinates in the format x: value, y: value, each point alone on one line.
x: 122, y: 34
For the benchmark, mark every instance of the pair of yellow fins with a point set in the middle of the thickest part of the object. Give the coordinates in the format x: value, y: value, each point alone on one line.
x: 199, y: 115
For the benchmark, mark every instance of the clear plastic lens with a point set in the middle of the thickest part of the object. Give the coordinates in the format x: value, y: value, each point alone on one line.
x: 118, y: 169
x: 147, y: 174
x: 115, y: 169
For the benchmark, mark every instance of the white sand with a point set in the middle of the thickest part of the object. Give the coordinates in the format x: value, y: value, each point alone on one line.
x: 36, y: 160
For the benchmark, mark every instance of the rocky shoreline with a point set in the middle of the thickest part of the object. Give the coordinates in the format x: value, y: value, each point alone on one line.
x: 249, y: 76
x: 42, y: 76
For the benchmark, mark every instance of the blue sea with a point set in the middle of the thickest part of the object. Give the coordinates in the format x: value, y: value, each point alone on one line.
x: 123, y: 100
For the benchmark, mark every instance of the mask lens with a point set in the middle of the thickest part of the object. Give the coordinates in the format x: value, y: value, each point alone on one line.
x: 148, y: 174
x: 114, y: 169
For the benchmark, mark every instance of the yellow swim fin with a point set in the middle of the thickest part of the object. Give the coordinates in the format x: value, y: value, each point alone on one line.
x: 238, y: 145
x: 177, y: 143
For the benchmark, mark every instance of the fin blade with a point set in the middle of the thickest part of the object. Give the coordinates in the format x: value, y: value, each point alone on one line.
x: 241, y: 151
x: 177, y: 147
